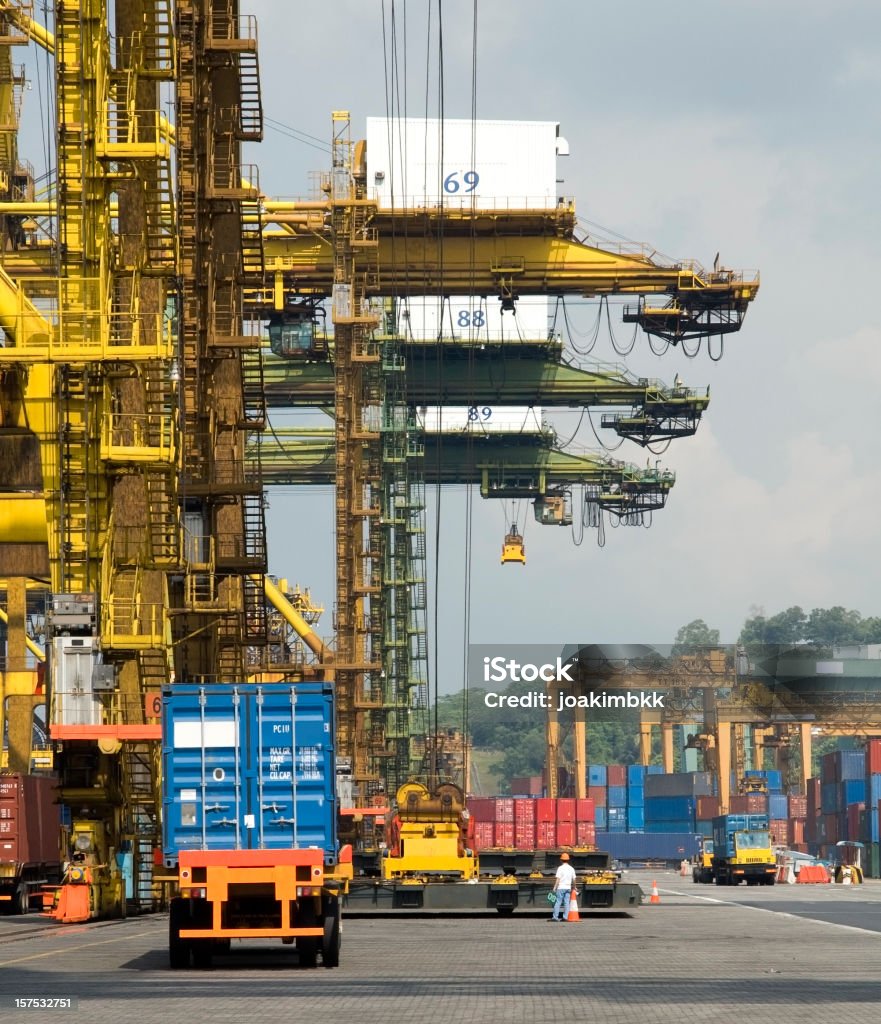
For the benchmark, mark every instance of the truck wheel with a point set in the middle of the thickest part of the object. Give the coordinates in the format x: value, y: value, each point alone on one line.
x: 179, y: 950
x: 21, y: 900
x: 307, y: 951
x: 330, y: 946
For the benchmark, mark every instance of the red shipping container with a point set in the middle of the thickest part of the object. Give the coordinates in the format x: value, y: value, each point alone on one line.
x: 597, y: 794
x: 565, y: 833
x: 830, y: 829
x: 504, y: 810
x: 853, y: 821
x: 527, y: 785
x: 800, y: 847
x: 616, y: 775
x: 503, y: 833
x: 547, y: 835
x: 752, y: 803
x: 565, y: 809
x: 585, y: 833
x: 798, y: 806
x: 814, y: 796
x: 482, y: 808
x: 707, y: 808
x: 524, y: 811
x: 585, y: 810
x: 873, y: 757
x: 545, y: 810
x: 779, y: 830
x: 483, y: 835
x: 524, y: 835
x: 797, y: 831
x: 30, y: 820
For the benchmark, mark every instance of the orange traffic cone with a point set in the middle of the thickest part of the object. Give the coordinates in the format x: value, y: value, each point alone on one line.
x: 655, y: 895
x: 573, y: 907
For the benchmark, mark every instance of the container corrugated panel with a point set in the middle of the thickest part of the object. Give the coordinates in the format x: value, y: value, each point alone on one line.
x: 616, y: 774
x: 565, y: 810
x: 853, y: 791
x: 596, y: 775
x: 873, y: 757
x: 873, y: 790
x: 505, y: 810
x: 545, y: 810
x: 585, y: 833
x: 482, y: 808
x: 778, y: 805
x: 598, y: 795
x: 600, y: 817
x: 669, y: 808
x: 617, y: 826
x: 248, y: 766
x: 30, y: 819
x: 585, y: 810
x: 798, y: 806
x: 814, y: 789
x: 679, y: 784
x: 852, y: 765
x: 707, y: 808
x: 636, y: 797
x: 645, y: 846
x: 565, y: 833
x: 774, y: 779
x: 617, y: 796
x: 616, y: 814
x: 704, y: 828
x: 635, y: 818
x: 796, y: 834
x: 546, y: 832
x: 779, y: 830
x: 524, y: 835
x: 483, y: 834
x: 503, y: 833
x: 829, y: 767
x: 656, y: 827
x: 636, y: 775
x: 524, y: 811
x: 750, y: 803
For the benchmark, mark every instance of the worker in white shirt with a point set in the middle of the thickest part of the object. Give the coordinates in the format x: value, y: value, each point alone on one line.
x: 564, y: 882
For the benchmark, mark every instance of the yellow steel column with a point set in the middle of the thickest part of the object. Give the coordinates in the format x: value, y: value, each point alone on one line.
x: 723, y: 750
x: 645, y: 742
x: 758, y: 747
x: 806, y: 754
x: 580, y: 740
x: 552, y: 736
x: 667, y: 745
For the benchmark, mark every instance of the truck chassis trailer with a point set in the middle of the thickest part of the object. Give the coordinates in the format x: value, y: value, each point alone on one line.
x: 253, y: 894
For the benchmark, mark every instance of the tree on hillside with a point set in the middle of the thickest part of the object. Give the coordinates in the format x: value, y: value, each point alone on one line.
x: 824, y: 627
x: 695, y: 634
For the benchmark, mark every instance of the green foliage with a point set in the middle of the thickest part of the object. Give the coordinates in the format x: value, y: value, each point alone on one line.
x: 824, y: 627
x: 695, y: 634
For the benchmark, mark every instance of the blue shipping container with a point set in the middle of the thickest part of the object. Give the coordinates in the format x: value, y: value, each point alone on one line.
x: 669, y: 826
x: 635, y: 775
x: 873, y: 791
x: 829, y: 797
x: 616, y: 796
x: 596, y: 775
x: 704, y: 828
x: 635, y: 818
x: 600, y: 817
x: 851, y: 764
x: 248, y: 766
x: 639, y: 846
x: 726, y: 825
x: 778, y: 805
x: 655, y: 769
x: 636, y: 798
x: 853, y: 791
x: 669, y: 808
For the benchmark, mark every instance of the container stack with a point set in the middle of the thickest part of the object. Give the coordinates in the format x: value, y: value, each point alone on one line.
x: 532, y: 823
x: 671, y: 800
x: 636, y: 774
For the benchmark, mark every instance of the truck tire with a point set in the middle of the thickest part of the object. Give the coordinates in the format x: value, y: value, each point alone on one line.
x: 179, y: 950
x: 21, y: 899
x: 330, y: 945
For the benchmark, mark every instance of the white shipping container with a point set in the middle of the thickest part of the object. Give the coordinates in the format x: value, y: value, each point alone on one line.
x: 475, y: 319
x: 490, y: 164
x: 480, y: 419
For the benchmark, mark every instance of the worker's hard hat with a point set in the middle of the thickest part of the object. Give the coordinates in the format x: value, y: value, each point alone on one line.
x: 564, y: 856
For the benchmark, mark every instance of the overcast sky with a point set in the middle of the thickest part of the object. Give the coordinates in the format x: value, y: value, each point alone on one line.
x: 749, y: 130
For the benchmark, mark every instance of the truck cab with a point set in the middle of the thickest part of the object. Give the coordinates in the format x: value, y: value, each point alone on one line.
x: 702, y: 865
